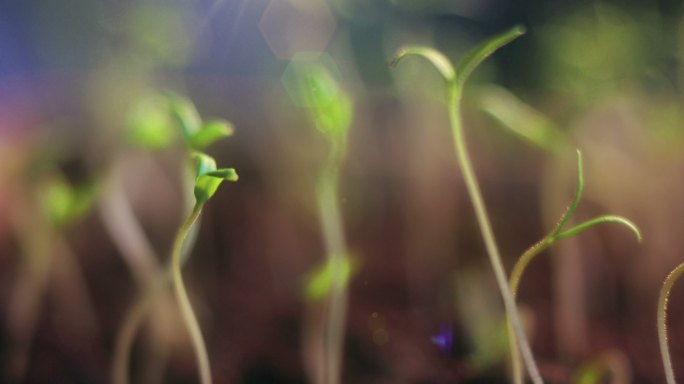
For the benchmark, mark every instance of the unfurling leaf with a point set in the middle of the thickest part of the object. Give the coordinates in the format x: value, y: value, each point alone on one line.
x: 209, y: 133
x: 209, y: 178
x: 186, y: 115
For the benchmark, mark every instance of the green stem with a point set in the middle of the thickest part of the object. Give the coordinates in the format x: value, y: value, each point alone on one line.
x: 473, y: 188
x: 545, y: 243
x: 514, y: 283
x: 662, y: 321
x: 599, y: 220
x: 333, y: 236
x: 184, y: 301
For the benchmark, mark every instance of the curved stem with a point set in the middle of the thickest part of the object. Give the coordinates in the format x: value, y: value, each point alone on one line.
x: 514, y: 282
x: 132, y: 323
x: 662, y: 321
x: 579, y: 228
x: 184, y: 301
x: 486, y: 229
x: 333, y: 236
x: 542, y: 245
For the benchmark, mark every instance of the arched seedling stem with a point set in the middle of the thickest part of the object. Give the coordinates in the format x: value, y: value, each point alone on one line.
x: 556, y: 234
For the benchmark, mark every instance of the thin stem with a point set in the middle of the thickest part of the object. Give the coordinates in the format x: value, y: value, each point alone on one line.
x: 473, y: 188
x: 333, y: 236
x: 662, y: 322
x: 184, y: 301
x: 125, y: 230
x: 575, y: 201
x: 131, y: 324
x: 514, y: 282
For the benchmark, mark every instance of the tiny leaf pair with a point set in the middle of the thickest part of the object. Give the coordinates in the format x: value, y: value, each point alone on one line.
x: 208, y: 178
x: 197, y: 134
x: 151, y: 124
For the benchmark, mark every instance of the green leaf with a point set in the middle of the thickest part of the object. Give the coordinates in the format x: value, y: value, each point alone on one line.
x: 64, y: 204
x: 209, y: 133
x: 149, y: 125
x: 335, y: 119
x: 204, y: 163
x: 228, y: 174
x: 186, y: 115
x: 208, y: 178
x: 311, y: 80
x: 437, y: 59
x: 57, y: 201
x: 521, y: 119
x: 476, y: 56
x: 320, y: 282
x: 600, y: 220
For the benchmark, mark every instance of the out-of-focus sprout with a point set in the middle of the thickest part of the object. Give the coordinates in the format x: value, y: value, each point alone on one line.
x: 206, y: 179
x: 52, y: 206
x: 311, y: 83
x: 455, y: 80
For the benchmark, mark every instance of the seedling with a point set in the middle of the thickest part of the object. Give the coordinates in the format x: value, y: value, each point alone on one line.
x: 46, y: 254
x: 535, y: 128
x: 557, y: 234
x: 662, y: 321
x: 455, y: 80
x: 205, y: 181
x: 313, y: 86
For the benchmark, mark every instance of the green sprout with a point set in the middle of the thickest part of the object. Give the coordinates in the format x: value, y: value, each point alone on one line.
x: 455, y: 81
x: 662, y: 321
x: 207, y: 181
x: 49, y: 207
x: 311, y: 83
x: 204, y: 182
x: 558, y: 233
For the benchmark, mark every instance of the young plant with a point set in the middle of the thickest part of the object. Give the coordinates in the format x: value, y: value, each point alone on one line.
x: 662, y: 322
x: 52, y: 206
x: 558, y: 233
x: 207, y: 180
x: 313, y: 86
x: 156, y: 133
x: 455, y: 79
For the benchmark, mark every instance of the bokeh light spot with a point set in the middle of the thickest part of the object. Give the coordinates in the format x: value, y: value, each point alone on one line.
x: 291, y: 26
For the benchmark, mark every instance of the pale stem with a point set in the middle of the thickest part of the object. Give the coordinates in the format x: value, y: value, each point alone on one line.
x: 486, y: 229
x: 184, y: 301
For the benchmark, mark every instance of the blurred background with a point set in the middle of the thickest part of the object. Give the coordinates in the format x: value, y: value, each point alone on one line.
x: 602, y: 76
